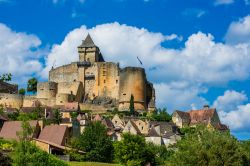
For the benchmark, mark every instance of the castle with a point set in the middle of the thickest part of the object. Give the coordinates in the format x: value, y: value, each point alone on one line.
x: 91, y: 82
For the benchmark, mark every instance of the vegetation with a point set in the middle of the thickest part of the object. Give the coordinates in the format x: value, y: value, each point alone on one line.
x: 131, y: 105
x: 95, y: 142
x: 6, y: 77
x: 72, y: 163
x: 57, y: 119
x: 32, y: 85
x: 160, y: 115
x: 5, y: 160
x: 22, y: 91
x: 202, y: 146
x: 133, y: 150
x: 26, y: 153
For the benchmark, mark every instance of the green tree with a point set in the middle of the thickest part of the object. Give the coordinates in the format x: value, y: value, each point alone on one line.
x: 22, y: 91
x: 95, y: 141
x: 6, y: 77
x: 32, y: 85
x: 57, y: 119
x: 133, y: 150
x: 208, y: 147
x: 161, y: 115
x: 131, y: 105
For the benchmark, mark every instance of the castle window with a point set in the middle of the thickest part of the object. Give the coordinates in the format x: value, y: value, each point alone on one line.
x: 41, y: 89
x: 142, y: 127
x: 124, y: 94
x: 116, y: 81
x: 104, y: 81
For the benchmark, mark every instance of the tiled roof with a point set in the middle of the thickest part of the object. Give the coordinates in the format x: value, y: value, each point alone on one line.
x: 54, y: 133
x: 10, y: 129
x: 108, y: 123
x: 183, y: 115
x: 97, y: 118
x: 201, y: 116
x: 152, y: 132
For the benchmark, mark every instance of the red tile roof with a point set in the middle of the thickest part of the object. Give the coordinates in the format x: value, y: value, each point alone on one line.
x: 10, y: 129
x: 201, y: 116
x: 54, y: 134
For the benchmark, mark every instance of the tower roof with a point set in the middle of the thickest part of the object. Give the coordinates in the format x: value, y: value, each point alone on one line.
x: 88, y: 42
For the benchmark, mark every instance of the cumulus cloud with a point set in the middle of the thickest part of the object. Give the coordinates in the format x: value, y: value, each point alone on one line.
x: 239, y: 31
x: 200, y: 64
x: 20, y: 53
x: 230, y: 100
x: 223, y: 2
x: 232, y: 110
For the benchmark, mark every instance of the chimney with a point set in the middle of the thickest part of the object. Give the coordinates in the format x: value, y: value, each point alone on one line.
x: 206, y: 106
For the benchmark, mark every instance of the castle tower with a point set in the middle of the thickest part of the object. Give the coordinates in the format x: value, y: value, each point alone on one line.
x: 89, y: 52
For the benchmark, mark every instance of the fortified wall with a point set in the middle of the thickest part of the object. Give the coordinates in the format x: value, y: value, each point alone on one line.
x: 95, y: 84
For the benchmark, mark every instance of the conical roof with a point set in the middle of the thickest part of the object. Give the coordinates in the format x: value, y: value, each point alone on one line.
x: 88, y: 42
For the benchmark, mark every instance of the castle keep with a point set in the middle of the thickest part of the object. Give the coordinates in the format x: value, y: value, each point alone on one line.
x: 94, y: 84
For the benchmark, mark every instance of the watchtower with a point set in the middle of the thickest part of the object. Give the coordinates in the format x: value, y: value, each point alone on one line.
x: 89, y: 52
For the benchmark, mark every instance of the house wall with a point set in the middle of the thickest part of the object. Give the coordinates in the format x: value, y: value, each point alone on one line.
x: 154, y: 140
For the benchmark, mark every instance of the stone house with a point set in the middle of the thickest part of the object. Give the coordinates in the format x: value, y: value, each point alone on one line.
x: 131, y: 128
x: 206, y: 116
x: 118, y: 122
x: 53, y: 139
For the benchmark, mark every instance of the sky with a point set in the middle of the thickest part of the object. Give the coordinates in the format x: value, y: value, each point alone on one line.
x: 195, y: 52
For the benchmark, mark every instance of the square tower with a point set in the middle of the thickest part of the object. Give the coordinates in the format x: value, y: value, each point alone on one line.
x: 89, y: 52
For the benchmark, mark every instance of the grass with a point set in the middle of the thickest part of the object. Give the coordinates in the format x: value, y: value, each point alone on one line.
x: 73, y: 163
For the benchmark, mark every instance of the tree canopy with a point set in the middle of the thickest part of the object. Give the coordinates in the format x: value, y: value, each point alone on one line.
x: 202, y: 146
x: 95, y: 142
x: 32, y: 85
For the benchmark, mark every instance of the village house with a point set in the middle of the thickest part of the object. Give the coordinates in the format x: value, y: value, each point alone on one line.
x: 206, y: 116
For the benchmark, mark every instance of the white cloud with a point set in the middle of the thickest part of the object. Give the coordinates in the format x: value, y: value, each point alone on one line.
x: 232, y: 110
x: 239, y: 31
x: 194, y: 12
x: 62, y: 1
x: 238, y: 119
x: 223, y: 2
x: 230, y: 100
x: 19, y: 53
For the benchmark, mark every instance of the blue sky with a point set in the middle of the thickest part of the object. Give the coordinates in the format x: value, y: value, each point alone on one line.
x: 195, y: 52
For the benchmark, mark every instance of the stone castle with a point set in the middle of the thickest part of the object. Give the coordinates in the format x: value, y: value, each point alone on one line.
x: 91, y: 82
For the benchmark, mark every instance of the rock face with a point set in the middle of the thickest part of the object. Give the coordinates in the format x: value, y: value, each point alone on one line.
x: 92, y: 81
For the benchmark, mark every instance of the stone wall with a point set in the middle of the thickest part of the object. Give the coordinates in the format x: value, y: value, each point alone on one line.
x: 66, y: 73
x: 46, y: 90
x: 11, y: 100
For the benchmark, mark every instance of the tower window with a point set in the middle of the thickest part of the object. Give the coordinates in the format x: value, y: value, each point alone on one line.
x: 116, y: 81
x: 104, y: 81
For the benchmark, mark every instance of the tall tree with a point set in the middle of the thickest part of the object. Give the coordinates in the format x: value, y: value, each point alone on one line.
x: 131, y: 105
x: 57, y: 119
x: 32, y: 85
x: 95, y: 141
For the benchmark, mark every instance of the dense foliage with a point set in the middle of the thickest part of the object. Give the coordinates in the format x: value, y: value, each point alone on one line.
x: 95, y: 142
x: 32, y: 85
x: 133, y: 150
x: 161, y: 115
x: 202, y: 146
x: 22, y: 91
